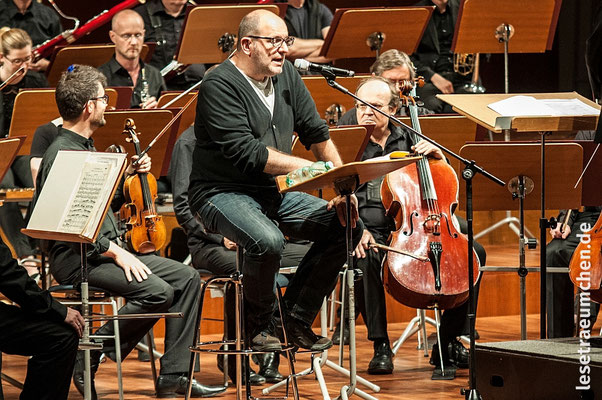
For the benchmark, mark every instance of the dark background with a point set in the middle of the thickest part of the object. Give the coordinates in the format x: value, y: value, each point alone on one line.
x: 561, y: 69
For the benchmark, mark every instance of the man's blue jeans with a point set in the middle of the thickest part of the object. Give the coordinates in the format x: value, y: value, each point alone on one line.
x: 259, y: 227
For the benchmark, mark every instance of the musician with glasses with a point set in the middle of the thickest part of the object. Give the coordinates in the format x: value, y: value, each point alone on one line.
x: 126, y: 68
x: 15, y: 55
x: 248, y: 109
x: 39, y: 21
x: 163, y: 21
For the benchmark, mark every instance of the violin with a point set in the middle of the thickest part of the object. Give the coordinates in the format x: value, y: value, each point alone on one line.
x: 145, y: 228
x: 422, y: 198
x: 585, y: 268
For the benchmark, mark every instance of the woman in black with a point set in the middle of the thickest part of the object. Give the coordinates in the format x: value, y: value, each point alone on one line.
x: 15, y: 53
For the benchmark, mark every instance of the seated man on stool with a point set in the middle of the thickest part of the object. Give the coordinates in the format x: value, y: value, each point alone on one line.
x: 149, y: 283
x: 247, y: 111
x: 385, y: 138
x: 216, y: 253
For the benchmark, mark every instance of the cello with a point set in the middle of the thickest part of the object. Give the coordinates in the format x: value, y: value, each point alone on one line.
x: 422, y: 198
x: 585, y: 268
x: 145, y: 228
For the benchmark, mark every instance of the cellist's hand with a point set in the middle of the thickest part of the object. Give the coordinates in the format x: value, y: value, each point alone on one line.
x: 144, y: 165
x: 427, y: 149
x: 558, y: 234
x: 340, y: 206
x: 364, y: 245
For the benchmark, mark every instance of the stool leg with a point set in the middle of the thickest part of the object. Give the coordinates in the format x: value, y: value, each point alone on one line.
x: 195, y: 339
x: 151, y: 353
x: 117, y: 348
x: 290, y: 353
x: 239, y: 313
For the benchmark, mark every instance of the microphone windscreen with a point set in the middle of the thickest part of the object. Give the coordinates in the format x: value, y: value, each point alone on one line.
x: 302, y: 64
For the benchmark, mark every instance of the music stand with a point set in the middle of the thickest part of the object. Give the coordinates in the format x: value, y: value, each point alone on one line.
x: 148, y: 123
x: 452, y: 131
x: 325, y: 98
x: 475, y: 107
x: 345, y: 180
x: 88, y: 54
x: 24, y: 122
x: 365, y: 32
x: 513, y: 162
x: 591, y: 195
x: 505, y: 26
x: 218, y: 26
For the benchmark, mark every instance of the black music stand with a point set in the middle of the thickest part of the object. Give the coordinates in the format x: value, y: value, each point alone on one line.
x: 475, y: 107
x: 345, y: 180
x: 519, y: 164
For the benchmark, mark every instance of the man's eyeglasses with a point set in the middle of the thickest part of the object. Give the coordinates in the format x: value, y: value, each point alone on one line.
x: 19, y: 61
x: 363, y: 107
x: 104, y: 98
x: 128, y: 36
x: 277, y: 40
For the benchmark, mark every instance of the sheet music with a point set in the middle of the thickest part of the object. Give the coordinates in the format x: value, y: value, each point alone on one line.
x: 530, y: 106
x: 75, y: 195
x: 85, y: 202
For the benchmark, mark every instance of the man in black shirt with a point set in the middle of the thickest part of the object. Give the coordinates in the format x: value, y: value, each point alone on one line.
x: 38, y: 20
x: 248, y: 109
x: 434, y: 59
x: 148, y: 282
x: 308, y: 21
x: 40, y: 327
x: 126, y: 68
x: 163, y: 20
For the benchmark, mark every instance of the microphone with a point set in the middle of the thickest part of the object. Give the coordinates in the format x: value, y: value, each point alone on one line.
x: 304, y: 65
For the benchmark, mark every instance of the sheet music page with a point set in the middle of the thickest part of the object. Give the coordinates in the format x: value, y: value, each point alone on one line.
x: 528, y: 106
x: 570, y: 107
x: 85, y: 202
x: 520, y: 106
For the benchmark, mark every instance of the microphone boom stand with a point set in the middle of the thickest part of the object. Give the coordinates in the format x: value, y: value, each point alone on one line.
x: 470, y: 169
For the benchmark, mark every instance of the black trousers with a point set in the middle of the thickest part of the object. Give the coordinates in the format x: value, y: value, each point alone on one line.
x: 11, y: 219
x: 560, y: 313
x: 221, y: 261
x: 51, y: 345
x: 172, y: 287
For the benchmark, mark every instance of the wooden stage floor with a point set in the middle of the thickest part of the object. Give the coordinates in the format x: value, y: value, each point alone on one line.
x: 410, y: 380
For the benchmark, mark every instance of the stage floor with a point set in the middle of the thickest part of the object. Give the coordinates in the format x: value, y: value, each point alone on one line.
x: 410, y: 380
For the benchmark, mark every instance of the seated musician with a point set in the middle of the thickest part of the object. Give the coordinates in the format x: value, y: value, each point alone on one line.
x: 40, y: 22
x: 247, y: 111
x: 216, y: 253
x: 385, y: 139
x: 434, y: 59
x: 560, y: 307
x: 39, y: 327
x: 397, y: 67
x: 126, y: 68
x: 148, y: 282
x: 15, y: 53
x: 308, y: 21
x: 163, y: 20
